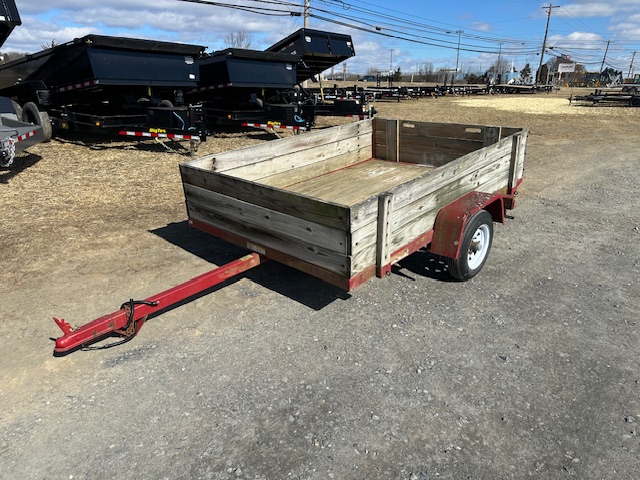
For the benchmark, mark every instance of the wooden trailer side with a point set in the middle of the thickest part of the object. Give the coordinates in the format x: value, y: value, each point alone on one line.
x: 415, y: 204
x: 308, y: 229
x: 277, y: 161
x: 431, y: 144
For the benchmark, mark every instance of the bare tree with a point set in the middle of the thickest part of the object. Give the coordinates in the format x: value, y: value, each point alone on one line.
x: 239, y: 39
x: 46, y: 46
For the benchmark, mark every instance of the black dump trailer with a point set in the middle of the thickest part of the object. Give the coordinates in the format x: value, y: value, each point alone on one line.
x: 15, y: 135
x: 160, y: 89
x: 264, y: 88
x: 98, y: 82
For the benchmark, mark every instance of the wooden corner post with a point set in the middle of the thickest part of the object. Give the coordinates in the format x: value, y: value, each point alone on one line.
x: 383, y: 242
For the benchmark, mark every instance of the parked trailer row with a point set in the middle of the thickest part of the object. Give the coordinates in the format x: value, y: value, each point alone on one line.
x: 131, y: 85
x: 598, y: 96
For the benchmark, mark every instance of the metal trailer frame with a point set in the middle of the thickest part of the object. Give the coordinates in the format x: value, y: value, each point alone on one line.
x: 631, y: 99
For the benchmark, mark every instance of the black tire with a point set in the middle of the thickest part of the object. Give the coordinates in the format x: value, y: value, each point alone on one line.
x: 475, y: 247
x: 165, y: 103
x: 634, y: 102
x: 31, y: 114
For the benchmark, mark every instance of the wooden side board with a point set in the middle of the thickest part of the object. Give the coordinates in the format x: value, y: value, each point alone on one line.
x: 287, y: 153
x: 417, y: 202
x: 433, y: 144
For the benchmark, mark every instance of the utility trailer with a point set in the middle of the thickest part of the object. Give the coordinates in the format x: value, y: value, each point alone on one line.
x: 100, y: 82
x: 342, y: 204
x: 598, y: 96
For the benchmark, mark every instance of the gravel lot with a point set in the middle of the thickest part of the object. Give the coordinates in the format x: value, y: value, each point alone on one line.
x: 530, y: 370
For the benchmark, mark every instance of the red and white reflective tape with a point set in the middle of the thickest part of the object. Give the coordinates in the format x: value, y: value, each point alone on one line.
x: 77, y: 86
x: 24, y: 136
x: 270, y: 125
x: 212, y: 87
x: 172, y: 136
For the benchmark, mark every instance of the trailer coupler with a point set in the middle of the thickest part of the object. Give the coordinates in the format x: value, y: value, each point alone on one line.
x: 132, y: 315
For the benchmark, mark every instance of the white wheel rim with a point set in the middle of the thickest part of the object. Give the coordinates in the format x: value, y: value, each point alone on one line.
x: 479, y: 247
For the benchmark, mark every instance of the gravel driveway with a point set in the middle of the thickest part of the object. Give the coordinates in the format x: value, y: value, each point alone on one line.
x: 530, y: 370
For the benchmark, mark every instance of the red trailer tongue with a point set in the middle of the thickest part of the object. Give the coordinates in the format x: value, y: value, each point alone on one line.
x: 128, y: 321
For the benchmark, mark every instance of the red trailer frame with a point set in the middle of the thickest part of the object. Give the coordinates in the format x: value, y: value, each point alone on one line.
x: 444, y: 239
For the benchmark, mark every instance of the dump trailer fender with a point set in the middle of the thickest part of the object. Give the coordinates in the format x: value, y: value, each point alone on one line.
x: 452, y: 219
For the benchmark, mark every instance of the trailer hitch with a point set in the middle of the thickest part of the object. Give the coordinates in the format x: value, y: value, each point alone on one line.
x: 132, y: 315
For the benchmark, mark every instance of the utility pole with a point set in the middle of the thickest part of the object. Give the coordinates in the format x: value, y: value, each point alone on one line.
x: 305, y: 83
x: 458, y: 54
x: 631, y: 66
x: 544, y: 42
x: 605, y: 56
x: 499, y: 66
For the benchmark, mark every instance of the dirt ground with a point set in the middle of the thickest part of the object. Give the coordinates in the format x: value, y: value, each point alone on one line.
x: 530, y: 370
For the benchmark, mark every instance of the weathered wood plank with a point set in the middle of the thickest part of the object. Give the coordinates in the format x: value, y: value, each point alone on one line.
x: 356, y: 183
x: 270, y: 222
x: 420, y: 150
x: 321, y: 212
x: 224, y: 161
x: 327, y: 259
x: 291, y: 177
x: 442, y: 130
x: 290, y: 161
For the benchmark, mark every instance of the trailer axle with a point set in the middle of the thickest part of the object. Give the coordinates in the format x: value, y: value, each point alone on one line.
x: 128, y: 320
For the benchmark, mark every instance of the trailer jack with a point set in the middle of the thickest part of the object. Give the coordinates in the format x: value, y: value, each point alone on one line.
x: 129, y: 319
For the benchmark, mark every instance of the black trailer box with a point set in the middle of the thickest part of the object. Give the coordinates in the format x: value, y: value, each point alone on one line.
x: 9, y: 19
x: 320, y: 50
x: 248, y: 68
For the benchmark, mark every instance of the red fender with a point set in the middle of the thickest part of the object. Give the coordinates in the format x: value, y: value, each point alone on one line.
x: 452, y: 218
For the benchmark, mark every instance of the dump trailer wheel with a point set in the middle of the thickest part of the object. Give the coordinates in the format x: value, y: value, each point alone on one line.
x: 474, y: 249
x: 31, y: 114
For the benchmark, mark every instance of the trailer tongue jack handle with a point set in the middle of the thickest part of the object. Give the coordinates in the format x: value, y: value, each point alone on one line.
x: 128, y: 321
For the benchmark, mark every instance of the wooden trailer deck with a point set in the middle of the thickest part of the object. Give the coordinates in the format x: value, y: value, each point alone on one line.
x: 337, y: 202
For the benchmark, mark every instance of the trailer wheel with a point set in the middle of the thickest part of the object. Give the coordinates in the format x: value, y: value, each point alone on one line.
x: 474, y: 249
x: 634, y: 102
x: 31, y: 114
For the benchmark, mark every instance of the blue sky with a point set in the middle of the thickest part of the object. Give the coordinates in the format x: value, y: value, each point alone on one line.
x: 405, y: 33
